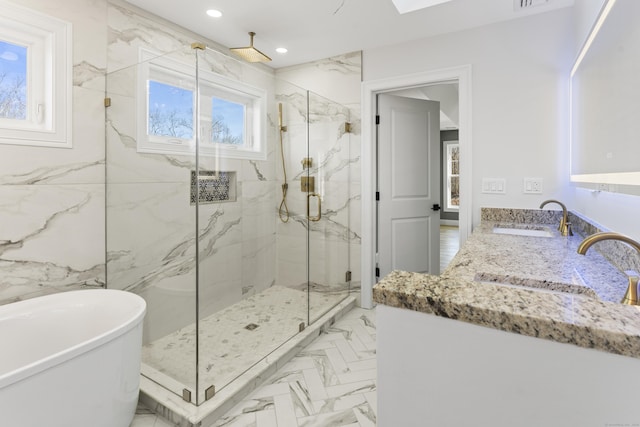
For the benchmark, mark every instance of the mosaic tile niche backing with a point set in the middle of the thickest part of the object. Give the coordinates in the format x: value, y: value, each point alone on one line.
x: 214, y: 187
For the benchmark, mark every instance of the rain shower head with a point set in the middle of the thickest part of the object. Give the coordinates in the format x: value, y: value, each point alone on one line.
x: 250, y: 53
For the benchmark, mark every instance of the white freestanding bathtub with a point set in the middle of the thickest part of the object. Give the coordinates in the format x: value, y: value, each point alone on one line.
x: 71, y: 359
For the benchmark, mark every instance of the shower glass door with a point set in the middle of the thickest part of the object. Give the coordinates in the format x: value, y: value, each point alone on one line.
x: 328, y: 204
x: 150, y: 224
x: 244, y: 312
x: 196, y: 223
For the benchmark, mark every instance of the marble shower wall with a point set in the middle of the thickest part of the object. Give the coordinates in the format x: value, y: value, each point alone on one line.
x: 335, y: 240
x: 52, y: 199
x: 150, y: 222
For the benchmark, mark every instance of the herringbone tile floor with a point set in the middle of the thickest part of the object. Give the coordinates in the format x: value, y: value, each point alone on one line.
x: 332, y: 382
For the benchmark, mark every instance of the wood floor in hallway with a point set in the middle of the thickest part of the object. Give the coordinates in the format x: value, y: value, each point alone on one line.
x: 449, y: 244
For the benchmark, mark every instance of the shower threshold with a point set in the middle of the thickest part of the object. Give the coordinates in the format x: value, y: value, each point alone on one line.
x: 185, y: 414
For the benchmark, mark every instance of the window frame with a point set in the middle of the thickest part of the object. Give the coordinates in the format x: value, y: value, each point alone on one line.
x: 154, y: 66
x: 447, y: 175
x: 48, y: 41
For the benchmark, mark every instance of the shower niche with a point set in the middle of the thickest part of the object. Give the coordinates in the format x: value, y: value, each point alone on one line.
x: 197, y: 232
x: 213, y: 186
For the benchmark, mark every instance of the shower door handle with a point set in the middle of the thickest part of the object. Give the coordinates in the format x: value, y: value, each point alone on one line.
x: 319, y: 216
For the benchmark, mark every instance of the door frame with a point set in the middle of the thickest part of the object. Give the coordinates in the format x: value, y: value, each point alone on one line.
x: 461, y: 75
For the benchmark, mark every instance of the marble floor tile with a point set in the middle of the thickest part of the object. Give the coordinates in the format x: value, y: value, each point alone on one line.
x: 145, y: 418
x: 318, y: 387
x: 231, y: 340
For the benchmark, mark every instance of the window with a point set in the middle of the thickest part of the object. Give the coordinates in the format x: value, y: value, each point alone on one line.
x: 452, y: 176
x: 170, y: 112
x: 232, y: 114
x: 35, y: 78
x: 13, y: 81
x: 228, y: 122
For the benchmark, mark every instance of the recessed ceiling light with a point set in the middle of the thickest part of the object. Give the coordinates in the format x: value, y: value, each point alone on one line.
x: 214, y: 13
x: 406, y: 6
x: 282, y: 50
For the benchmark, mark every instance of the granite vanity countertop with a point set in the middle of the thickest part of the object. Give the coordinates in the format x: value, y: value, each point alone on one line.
x: 586, y: 313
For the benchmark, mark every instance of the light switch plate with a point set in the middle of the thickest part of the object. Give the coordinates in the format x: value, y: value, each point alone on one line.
x: 494, y: 186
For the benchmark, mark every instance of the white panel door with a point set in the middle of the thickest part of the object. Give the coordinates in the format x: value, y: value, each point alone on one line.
x: 409, y: 185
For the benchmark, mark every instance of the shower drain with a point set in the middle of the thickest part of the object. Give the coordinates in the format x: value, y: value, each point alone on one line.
x: 251, y: 326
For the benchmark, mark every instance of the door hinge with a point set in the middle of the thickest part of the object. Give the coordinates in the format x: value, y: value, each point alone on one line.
x: 377, y: 271
x: 210, y: 392
x: 347, y: 276
x: 377, y: 196
x: 107, y: 102
x: 377, y: 120
x: 347, y: 127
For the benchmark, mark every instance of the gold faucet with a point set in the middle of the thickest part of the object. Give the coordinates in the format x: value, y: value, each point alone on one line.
x: 565, y: 225
x: 631, y: 296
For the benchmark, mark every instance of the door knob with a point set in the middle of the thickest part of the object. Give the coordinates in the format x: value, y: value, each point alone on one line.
x: 435, y: 207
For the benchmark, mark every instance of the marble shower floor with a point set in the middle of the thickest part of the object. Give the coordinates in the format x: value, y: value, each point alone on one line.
x: 232, y: 340
x: 331, y: 382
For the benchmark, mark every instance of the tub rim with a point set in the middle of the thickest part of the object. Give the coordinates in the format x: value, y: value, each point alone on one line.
x: 59, y: 357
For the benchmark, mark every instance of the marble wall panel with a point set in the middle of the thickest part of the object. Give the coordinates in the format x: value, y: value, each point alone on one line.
x: 150, y: 234
x: 258, y: 264
x: 52, y: 203
x: 49, y: 239
x: 236, y: 239
x: 107, y: 36
x: 258, y: 199
x: 292, y: 259
x: 336, y: 157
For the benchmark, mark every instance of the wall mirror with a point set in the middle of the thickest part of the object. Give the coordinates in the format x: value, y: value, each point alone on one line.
x: 605, y: 101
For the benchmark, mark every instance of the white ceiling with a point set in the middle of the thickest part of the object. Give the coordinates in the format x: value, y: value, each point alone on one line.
x: 318, y: 29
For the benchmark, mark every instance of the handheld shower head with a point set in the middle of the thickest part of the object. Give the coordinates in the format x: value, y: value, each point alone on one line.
x: 280, y: 127
x: 250, y: 53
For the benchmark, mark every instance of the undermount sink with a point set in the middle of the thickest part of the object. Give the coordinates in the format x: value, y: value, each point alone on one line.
x: 531, y: 231
x: 530, y: 288
x: 542, y: 286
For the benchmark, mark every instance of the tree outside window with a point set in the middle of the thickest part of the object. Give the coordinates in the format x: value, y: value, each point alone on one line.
x: 13, y: 81
x: 453, y: 176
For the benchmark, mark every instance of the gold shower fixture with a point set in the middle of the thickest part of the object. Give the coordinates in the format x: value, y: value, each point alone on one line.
x: 250, y: 53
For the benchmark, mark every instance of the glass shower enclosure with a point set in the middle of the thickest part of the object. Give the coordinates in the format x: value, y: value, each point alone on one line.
x: 197, y: 147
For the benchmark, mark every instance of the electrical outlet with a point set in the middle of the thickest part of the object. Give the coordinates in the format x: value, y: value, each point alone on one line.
x: 532, y: 186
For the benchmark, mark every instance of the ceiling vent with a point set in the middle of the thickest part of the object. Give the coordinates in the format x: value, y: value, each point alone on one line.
x: 519, y: 5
